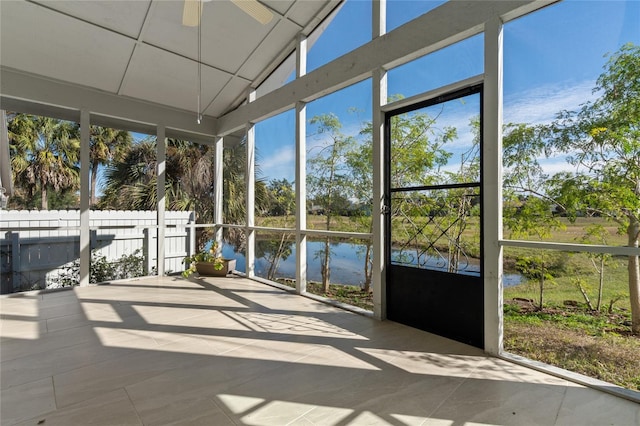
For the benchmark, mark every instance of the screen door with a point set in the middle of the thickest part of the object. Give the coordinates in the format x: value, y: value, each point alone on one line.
x: 434, y: 215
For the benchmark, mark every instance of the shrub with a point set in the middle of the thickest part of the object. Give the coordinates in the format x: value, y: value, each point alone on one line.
x: 127, y: 266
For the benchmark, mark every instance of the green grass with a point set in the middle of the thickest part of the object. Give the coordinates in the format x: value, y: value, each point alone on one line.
x: 566, y: 333
x: 338, y: 223
x: 596, y: 346
x: 573, y: 269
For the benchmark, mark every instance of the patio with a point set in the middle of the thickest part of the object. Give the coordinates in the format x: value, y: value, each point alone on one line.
x: 166, y: 350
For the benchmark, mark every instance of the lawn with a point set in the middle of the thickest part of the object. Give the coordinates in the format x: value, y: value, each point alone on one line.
x: 566, y: 332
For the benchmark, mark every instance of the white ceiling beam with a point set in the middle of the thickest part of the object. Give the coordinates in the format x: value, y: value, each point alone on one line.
x: 443, y: 26
x: 38, y: 95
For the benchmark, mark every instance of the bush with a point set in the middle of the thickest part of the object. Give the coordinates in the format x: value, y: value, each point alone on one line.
x: 127, y: 266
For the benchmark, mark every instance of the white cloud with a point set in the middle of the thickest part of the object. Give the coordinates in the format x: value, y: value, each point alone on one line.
x: 278, y: 164
x: 541, y: 104
x: 551, y: 166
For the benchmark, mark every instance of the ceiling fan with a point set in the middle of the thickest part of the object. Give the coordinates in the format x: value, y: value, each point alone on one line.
x: 193, y: 10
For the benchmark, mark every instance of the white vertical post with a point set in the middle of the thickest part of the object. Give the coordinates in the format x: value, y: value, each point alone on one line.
x: 191, y: 232
x: 301, y: 173
x: 250, y: 178
x: 378, y: 209
x: 301, y: 198
x: 218, y: 188
x: 147, y: 249
x: 161, y: 154
x: 16, y: 280
x: 379, y: 95
x: 301, y: 55
x: 85, y: 208
x: 379, y: 18
x: 492, y: 186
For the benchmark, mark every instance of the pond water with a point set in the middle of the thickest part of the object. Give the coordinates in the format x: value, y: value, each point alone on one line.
x: 347, y: 263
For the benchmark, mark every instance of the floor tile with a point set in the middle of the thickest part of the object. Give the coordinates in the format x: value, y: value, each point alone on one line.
x: 91, y: 381
x: 26, y: 369
x: 12, y: 348
x: 23, y: 328
x: 111, y: 408
x: 227, y: 351
x: 586, y: 406
x: 501, y: 402
x: 25, y: 401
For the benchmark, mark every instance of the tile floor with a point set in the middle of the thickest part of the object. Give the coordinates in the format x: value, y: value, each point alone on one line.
x: 236, y: 352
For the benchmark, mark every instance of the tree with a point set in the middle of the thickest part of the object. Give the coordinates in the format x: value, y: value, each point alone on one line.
x: 596, y: 232
x: 528, y: 203
x: 235, y: 197
x: 328, y: 176
x: 274, y: 250
x: 543, y: 267
x: 281, y: 197
x: 105, y: 145
x: 602, y: 140
x: 417, y: 148
x: 461, y: 201
x: 190, y: 179
x: 281, y: 201
x: 360, y: 162
x: 44, y: 155
x: 131, y: 182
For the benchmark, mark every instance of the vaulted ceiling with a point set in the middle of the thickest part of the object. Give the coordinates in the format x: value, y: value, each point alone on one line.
x: 141, y: 50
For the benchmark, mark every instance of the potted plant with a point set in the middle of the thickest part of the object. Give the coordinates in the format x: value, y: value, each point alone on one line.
x: 208, y: 263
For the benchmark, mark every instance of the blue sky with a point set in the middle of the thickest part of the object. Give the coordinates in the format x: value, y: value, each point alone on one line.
x: 551, y: 61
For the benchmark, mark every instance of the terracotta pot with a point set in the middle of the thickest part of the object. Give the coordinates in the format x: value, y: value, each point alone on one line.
x: 208, y: 269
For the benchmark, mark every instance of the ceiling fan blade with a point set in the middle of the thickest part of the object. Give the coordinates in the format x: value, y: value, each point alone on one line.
x: 191, y: 13
x: 255, y: 9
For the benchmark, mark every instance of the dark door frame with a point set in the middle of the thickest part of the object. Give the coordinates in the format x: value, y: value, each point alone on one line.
x: 444, y: 303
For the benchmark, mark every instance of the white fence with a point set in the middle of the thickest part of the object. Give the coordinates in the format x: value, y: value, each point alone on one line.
x: 34, y: 245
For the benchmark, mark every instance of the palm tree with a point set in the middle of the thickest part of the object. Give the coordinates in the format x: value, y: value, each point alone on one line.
x: 45, y: 154
x: 234, y: 208
x: 131, y: 182
x: 106, y: 145
x: 190, y: 178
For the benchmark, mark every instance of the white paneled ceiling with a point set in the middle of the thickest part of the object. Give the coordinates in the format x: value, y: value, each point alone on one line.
x: 140, y: 50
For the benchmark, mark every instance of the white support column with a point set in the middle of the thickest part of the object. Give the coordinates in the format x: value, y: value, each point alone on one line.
x: 301, y: 197
x: 85, y: 208
x: 379, y: 271
x: 492, y: 186
x: 250, y: 178
x: 379, y: 95
x: 301, y: 173
x: 379, y: 17
x: 218, y: 188
x: 301, y: 56
x: 161, y: 154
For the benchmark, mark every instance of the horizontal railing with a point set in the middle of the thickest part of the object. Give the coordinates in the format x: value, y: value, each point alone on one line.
x: 589, y: 248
